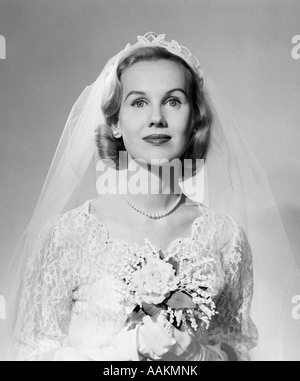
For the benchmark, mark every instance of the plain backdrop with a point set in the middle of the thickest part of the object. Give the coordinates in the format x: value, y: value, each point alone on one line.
x: 55, y: 48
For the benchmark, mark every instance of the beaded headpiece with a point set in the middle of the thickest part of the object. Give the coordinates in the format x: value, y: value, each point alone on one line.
x: 152, y: 39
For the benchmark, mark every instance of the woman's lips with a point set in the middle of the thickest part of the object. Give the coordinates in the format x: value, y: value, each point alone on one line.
x: 157, y: 139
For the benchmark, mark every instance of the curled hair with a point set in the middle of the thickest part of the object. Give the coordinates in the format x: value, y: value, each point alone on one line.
x: 201, y: 114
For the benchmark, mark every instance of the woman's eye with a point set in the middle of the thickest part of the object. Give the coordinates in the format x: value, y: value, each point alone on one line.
x: 173, y: 102
x: 139, y: 103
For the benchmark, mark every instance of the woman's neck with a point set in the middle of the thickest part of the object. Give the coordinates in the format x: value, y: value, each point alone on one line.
x: 151, y: 187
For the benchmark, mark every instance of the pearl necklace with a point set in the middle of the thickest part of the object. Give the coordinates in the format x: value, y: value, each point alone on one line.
x: 154, y: 215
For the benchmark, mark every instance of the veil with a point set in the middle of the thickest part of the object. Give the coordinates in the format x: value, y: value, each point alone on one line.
x: 235, y: 184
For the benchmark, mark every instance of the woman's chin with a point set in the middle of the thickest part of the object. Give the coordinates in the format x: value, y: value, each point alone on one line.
x: 156, y: 158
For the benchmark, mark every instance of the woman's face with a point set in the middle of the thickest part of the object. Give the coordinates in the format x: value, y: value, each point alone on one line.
x: 154, y: 117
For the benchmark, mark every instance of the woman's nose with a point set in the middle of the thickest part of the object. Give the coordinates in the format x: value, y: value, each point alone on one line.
x: 157, y: 118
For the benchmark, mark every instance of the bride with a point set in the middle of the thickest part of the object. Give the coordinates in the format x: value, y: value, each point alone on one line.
x: 102, y: 273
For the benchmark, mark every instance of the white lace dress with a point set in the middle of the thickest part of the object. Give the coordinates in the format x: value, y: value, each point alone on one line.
x: 70, y: 299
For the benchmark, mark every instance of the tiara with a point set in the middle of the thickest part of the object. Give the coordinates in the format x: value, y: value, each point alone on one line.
x: 152, y: 39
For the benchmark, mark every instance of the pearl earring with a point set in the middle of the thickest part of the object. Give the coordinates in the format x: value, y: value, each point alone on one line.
x: 116, y: 134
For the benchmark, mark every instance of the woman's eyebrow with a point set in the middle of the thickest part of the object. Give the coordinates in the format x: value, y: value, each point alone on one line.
x: 134, y: 92
x: 177, y: 89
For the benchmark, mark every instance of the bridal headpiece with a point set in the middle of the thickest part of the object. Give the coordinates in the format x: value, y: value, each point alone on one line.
x: 152, y: 39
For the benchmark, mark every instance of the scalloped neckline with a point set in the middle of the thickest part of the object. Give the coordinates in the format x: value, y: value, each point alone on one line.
x: 136, y: 245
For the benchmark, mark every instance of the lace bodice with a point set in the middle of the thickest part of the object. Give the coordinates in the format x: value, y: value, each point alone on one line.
x: 70, y: 297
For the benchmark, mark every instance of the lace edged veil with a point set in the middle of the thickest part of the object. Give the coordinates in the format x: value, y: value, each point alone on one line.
x: 235, y: 184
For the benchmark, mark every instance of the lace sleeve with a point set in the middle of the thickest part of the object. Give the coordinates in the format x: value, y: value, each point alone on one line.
x: 46, y: 298
x: 233, y: 325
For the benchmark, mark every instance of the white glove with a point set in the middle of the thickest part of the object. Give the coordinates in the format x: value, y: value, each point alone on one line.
x: 154, y: 341
x: 158, y: 339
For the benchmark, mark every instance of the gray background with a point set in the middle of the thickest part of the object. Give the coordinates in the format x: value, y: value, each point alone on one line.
x: 55, y: 48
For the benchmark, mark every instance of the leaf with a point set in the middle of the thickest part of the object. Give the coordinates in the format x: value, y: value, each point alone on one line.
x: 180, y: 300
x: 174, y: 264
x: 151, y: 309
x: 134, y: 318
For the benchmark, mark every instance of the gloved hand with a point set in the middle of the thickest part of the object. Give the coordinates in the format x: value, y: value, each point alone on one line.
x: 153, y: 339
x: 158, y: 339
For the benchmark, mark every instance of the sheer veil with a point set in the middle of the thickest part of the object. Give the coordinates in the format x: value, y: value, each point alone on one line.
x: 235, y: 184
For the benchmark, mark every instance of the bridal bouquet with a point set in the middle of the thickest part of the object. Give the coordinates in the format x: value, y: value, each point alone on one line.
x: 183, y: 289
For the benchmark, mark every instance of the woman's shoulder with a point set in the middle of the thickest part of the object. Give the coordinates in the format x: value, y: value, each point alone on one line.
x: 229, y: 235
x: 221, y: 222
x: 217, y: 215
x: 70, y: 221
